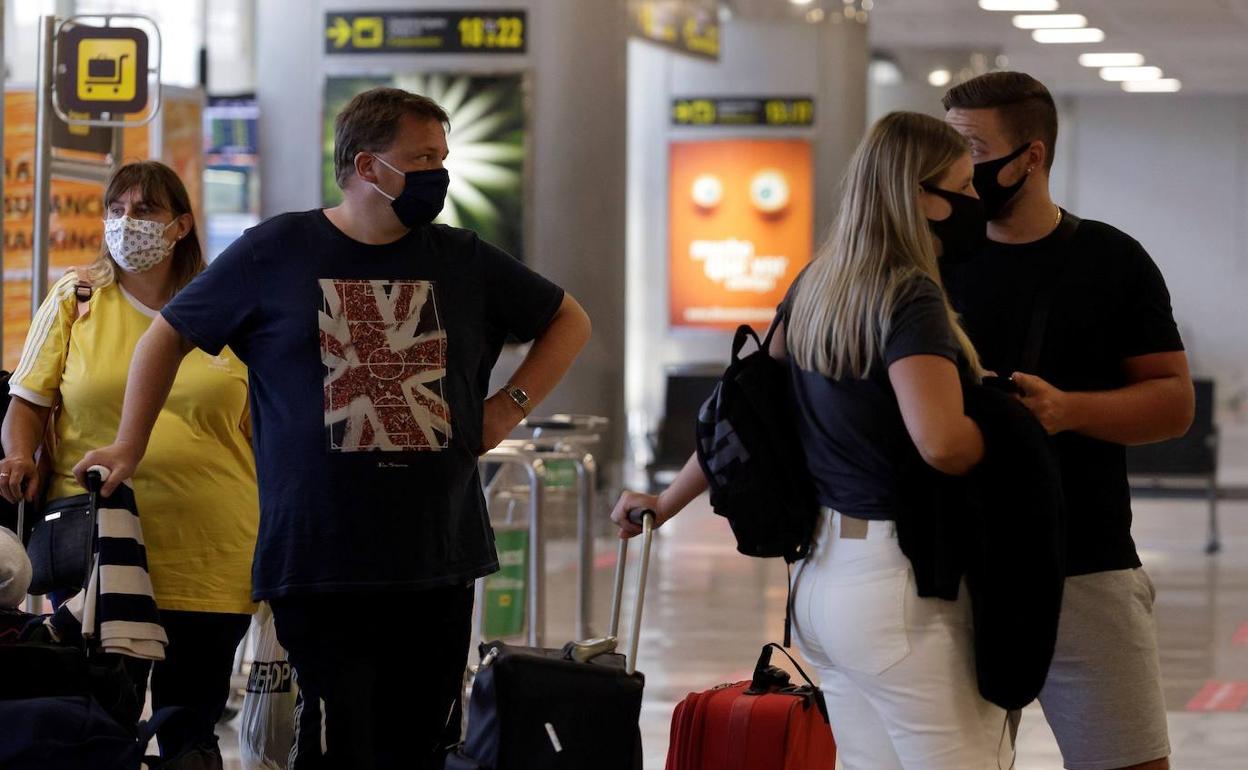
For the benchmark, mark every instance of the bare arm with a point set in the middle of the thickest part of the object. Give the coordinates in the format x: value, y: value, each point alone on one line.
x: 548, y: 360
x: 21, y: 434
x: 554, y: 351
x: 688, y: 484
x: 929, y: 393
x: 1158, y: 404
x: 152, y: 371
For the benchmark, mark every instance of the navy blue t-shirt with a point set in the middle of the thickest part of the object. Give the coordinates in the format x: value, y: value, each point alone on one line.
x: 859, y: 453
x: 369, y: 367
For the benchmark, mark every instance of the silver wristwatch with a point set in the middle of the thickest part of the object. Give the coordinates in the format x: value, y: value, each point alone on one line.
x: 518, y: 395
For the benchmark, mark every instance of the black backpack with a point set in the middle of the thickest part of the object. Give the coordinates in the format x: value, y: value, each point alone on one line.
x: 751, y: 454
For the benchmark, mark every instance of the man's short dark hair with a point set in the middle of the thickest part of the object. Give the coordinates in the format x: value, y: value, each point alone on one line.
x: 369, y: 122
x: 1026, y: 107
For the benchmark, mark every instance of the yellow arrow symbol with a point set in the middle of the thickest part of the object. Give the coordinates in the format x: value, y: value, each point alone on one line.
x: 340, y: 32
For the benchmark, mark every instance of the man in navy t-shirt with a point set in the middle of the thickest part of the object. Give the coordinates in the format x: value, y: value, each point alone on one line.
x: 370, y: 335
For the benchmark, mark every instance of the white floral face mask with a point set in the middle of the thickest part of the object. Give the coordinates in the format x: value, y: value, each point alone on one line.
x: 137, y: 245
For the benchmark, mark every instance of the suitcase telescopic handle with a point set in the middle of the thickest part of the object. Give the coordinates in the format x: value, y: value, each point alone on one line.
x: 644, y: 517
x: 96, y: 476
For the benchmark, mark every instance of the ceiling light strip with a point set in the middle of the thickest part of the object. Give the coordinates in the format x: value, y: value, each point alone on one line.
x: 1051, y: 21
x: 1060, y: 36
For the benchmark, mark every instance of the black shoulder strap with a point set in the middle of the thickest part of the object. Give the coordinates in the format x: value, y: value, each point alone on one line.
x: 1045, y: 294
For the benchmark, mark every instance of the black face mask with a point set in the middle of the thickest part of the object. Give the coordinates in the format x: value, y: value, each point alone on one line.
x: 963, y: 233
x: 995, y: 195
x: 423, y: 196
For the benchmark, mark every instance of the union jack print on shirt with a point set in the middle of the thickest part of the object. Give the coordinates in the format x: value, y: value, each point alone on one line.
x: 384, y: 352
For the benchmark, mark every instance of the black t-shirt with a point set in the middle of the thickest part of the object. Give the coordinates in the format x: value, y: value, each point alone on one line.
x: 858, y: 451
x: 1110, y: 303
x: 368, y: 368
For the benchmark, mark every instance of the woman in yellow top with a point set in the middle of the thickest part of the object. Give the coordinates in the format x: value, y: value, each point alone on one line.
x: 196, y: 489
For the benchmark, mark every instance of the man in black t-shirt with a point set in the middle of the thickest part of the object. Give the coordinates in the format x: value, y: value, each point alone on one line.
x: 1102, y: 368
x: 369, y: 334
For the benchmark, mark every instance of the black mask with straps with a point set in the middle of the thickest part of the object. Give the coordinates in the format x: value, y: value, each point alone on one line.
x: 995, y: 195
x: 423, y: 195
x: 964, y: 232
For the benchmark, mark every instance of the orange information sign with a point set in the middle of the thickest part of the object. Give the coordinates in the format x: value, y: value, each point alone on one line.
x: 76, y: 226
x: 740, y: 219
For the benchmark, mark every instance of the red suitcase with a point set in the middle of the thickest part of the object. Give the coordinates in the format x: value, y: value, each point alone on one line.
x: 763, y: 724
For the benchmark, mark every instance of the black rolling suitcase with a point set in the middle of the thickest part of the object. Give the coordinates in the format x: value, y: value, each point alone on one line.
x: 571, y: 709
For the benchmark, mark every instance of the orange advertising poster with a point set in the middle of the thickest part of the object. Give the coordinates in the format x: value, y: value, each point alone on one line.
x: 182, y: 143
x: 76, y: 228
x: 740, y: 219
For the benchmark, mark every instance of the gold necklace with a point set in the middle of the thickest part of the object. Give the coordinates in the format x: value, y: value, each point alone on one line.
x: 1058, y: 219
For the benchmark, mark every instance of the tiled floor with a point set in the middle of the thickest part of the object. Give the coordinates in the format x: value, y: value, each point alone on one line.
x: 708, y: 611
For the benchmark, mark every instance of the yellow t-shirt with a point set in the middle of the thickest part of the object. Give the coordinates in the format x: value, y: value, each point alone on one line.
x: 196, y: 486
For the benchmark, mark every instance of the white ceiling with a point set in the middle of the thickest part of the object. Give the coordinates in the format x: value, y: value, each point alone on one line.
x: 1204, y: 43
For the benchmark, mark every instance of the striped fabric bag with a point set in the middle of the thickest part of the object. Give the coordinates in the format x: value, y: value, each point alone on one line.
x: 117, y: 608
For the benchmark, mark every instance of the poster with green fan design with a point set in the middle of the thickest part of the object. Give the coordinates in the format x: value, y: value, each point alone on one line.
x: 487, y: 144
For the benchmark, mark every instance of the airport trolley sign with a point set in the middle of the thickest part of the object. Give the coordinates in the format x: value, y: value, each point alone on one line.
x: 407, y: 32
x: 768, y: 111
x: 102, y: 69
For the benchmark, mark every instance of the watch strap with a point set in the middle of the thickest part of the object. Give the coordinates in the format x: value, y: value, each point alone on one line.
x: 519, y: 397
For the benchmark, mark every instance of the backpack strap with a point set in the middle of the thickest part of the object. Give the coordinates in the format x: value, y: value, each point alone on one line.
x: 764, y: 660
x: 788, y: 604
x: 156, y: 726
x: 83, y: 289
x: 1047, y: 292
x: 745, y: 333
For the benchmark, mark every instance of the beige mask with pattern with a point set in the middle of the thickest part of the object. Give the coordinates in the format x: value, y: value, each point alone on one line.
x: 137, y: 245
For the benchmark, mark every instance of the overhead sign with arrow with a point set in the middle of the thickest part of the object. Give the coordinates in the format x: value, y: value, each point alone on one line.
x: 408, y: 32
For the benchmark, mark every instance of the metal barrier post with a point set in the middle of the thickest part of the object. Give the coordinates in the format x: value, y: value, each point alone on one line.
x: 535, y: 469
x: 587, y: 486
x: 568, y: 434
x: 587, y: 477
x: 43, y: 166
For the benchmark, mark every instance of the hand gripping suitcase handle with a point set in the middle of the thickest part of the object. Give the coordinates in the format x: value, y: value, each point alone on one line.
x: 96, y: 476
x: 645, y: 517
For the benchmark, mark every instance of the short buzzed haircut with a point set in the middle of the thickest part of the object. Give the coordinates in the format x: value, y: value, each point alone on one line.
x: 1026, y: 107
x: 369, y: 122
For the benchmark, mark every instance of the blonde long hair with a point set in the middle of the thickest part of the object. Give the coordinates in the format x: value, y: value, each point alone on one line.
x: 879, y: 245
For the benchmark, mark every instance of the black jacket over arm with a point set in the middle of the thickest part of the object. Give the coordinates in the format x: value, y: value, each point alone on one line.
x: 1002, y: 528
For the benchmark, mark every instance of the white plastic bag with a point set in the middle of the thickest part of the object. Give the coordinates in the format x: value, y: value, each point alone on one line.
x: 266, y: 730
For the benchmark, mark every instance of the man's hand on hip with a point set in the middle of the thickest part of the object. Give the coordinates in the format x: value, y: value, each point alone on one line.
x: 501, y: 417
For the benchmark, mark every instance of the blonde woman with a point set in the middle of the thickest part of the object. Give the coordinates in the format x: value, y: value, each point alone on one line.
x: 878, y: 362
x: 196, y: 490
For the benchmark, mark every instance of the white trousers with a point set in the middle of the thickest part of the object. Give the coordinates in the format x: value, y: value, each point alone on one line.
x: 898, y: 671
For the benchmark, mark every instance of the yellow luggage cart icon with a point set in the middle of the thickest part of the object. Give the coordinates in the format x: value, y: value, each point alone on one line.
x: 104, y: 71
x: 107, y: 70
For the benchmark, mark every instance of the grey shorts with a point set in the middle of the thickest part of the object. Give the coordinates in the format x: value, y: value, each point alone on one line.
x: 1103, y: 696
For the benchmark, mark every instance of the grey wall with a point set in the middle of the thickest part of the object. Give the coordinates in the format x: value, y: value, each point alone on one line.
x: 575, y: 213
x: 1172, y: 171
x: 914, y: 93
x: 757, y: 58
